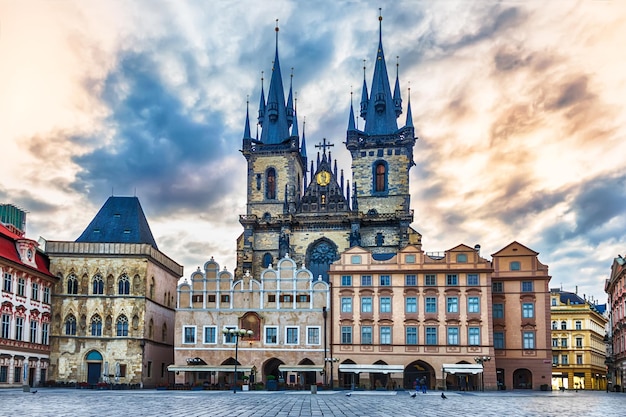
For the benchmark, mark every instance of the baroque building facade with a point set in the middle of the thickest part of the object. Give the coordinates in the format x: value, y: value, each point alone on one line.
x: 281, y: 311
x: 615, y: 287
x: 578, y: 346
x: 25, y: 308
x: 114, y: 304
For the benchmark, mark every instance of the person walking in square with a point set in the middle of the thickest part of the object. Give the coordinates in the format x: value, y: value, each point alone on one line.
x: 423, y: 384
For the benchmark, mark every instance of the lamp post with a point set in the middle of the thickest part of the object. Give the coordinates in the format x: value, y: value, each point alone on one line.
x: 331, y: 361
x: 481, y: 360
x: 237, y: 334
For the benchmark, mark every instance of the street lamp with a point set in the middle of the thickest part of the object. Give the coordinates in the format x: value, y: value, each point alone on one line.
x: 481, y: 360
x: 331, y: 361
x: 237, y: 334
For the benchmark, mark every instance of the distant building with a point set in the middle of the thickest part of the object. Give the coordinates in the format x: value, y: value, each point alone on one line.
x: 414, y: 316
x: 13, y: 218
x: 521, y: 318
x: 284, y: 310
x: 25, y: 312
x: 578, y: 347
x: 615, y: 287
x: 114, y: 305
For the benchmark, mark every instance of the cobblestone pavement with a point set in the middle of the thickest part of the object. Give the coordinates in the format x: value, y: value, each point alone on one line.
x: 72, y: 402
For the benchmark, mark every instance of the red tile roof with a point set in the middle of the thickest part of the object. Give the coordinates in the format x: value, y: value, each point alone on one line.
x: 8, y: 251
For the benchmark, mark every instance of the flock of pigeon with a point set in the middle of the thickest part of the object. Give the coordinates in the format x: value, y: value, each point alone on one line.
x: 443, y: 396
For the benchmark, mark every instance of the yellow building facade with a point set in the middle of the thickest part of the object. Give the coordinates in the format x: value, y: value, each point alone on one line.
x: 578, y: 346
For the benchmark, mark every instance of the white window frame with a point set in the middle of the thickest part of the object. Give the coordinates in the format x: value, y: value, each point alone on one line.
x: 308, y: 339
x: 204, y: 329
x: 265, y: 329
x: 297, y: 342
x: 184, y: 334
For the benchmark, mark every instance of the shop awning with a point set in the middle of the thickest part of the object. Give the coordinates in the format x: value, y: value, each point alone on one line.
x: 300, y: 368
x: 372, y: 369
x: 208, y: 368
x: 462, y: 368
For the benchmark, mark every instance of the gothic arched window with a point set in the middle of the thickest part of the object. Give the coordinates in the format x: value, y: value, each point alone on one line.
x: 96, y: 326
x: 72, y: 284
x: 380, y: 180
x: 267, y: 259
x: 124, y: 285
x: 70, y: 325
x: 270, y: 184
x: 320, y: 256
x: 98, y: 285
x: 121, y: 326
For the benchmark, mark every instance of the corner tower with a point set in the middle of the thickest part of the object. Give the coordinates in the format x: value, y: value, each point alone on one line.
x: 382, y: 155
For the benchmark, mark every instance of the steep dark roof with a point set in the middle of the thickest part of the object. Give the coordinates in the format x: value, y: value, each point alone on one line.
x: 571, y: 298
x: 120, y: 220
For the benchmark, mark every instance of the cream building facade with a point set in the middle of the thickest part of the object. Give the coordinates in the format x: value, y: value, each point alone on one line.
x: 578, y: 346
x: 284, y: 310
x: 114, y: 304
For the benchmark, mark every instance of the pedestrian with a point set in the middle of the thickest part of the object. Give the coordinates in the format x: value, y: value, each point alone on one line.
x: 423, y: 384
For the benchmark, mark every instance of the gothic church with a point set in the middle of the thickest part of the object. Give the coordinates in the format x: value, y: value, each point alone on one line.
x: 307, y: 210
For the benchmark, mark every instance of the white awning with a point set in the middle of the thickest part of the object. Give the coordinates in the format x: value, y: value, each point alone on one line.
x: 372, y: 369
x: 300, y: 368
x: 208, y: 368
x: 462, y: 368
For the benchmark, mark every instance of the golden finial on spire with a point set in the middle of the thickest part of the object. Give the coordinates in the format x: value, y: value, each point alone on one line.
x: 276, y: 25
x: 380, y: 14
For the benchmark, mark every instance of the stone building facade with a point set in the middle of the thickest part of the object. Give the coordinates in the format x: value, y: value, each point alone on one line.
x: 578, y: 345
x: 414, y: 316
x: 284, y: 310
x: 114, y: 304
x: 25, y: 310
x: 615, y: 287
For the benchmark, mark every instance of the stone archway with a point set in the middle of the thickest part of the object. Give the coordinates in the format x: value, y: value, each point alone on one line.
x: 417, y: 370
x: 93, y: 361
x: 347, y: 379
x: 271, y: 374
x: 522, y: 379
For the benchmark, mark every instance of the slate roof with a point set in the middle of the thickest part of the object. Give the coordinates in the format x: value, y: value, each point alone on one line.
x: 120, y: 220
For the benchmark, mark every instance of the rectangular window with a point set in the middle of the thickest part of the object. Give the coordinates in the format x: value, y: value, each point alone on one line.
x: 20, y: 286
x: 528, y: 310
x: 385, y: 280
x: 366, y: 335
x: 19, y: 328
x: 366, y: 304
x: 431, y: 305
x: 46, y: 295
x: 346, y: 280
x: 498, y: 311
x: 409, y: 259
x: 564, y: 360
x: 385, y: 304
x: 473, y: 336
x: 385, y: 335
x: 452, y: 279
x: 578, y: 324
x: 564, y: 342
x: 527, y: 286
x: 555, y: 342
x: 529, y: 340
x: 8, y: 279
x: 430, y: 280
x: 6, y: 326
x: 211, y: 298
x: 17, y: 374
x: 411, y: 304
x: 498, y: 340
x: 453, y: 335
x: 555, y: 359
x: 303, y: 298
x: 210, y: 335
x: 4, y: 373
x: 189, y: 334
x: 45, y: 329
x: 346, y: 335
x: 410, y: 280
x: 366, y: 280
x: 579, y: 342
x: 286, y: 298
x: 291, y: 334
x: 34, y: 293
x: 271, y: 335
x: 452, y: 304
x: 431, y: 335
x: 579, y: 359
x: 225, y: 298
x: 472, y: 279
x: 346, y: 304
x: 33, y: 332
x: 497, y: 287
x: 355, y: 259
x: 149, y: 369
x: 473, y: 305
x: 411, y: 335
x: 271, y: 298
x: 312, y: 335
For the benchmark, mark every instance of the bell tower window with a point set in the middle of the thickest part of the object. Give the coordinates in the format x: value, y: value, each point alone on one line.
x: 270, y: 186
x: 380, y: 177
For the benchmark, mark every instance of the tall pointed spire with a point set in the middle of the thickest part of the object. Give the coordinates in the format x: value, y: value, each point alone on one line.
x: 397, y: 99
x: 303, y: 143
x: 246, y: 129
x: 381, y: 117
x: 290, y: 107
x: 409, y: 114
x: 294, y: 129
x: 261, y: 117
x: 351, y: 125
x: 364, y: 95
x: 276, y: 126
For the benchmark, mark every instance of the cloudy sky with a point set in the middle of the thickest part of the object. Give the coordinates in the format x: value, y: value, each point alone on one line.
x: 518, y: 106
